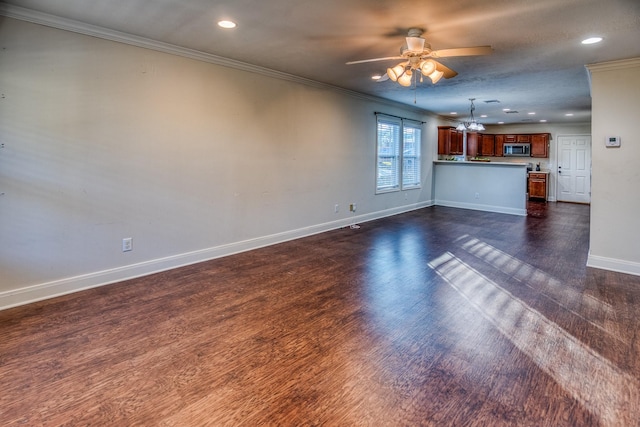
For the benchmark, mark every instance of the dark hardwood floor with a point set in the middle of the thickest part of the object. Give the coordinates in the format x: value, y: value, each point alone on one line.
x: 438, y: 317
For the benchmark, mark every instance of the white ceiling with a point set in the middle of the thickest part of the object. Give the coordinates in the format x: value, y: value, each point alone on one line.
x: 538, y: 64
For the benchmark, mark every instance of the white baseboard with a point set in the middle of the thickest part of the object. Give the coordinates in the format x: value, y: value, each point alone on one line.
x: 42, y: 291
x: 480, y: 207
x: 612, y: 264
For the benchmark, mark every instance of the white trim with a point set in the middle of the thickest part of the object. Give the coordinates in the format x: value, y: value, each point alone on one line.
x: 612, y: 264
x: 29, y: 294
x: 479, y: 207
x: 71, y: 25
x: 614, y: 65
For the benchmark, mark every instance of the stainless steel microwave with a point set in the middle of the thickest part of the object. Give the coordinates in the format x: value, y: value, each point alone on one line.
x: 517, y: 150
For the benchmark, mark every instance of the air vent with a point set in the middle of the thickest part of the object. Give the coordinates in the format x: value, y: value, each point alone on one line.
x: 512, y: 112
x: 492, y: 101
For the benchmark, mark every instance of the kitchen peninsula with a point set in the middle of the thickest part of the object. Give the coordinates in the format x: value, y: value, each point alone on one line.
x: 486, y: 186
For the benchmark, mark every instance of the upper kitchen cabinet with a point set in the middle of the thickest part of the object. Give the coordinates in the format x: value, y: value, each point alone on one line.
x: 499, y: 144
x: 540, y: 144
x: 449, y: 140
x: 473, y: 149
x: 487, y: 144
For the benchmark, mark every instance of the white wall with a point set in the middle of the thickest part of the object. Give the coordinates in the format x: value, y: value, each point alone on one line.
x: 615, y: 207
x: 493, y: 187
x: 193, y: 160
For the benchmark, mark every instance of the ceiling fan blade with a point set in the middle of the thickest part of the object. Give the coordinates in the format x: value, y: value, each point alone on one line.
x: 384, y: 78
x: 462, y: 51
x: 448, y: 72
x: 375, y: 59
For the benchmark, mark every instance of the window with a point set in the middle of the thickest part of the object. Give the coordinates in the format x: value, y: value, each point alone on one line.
x: 411, y: 142
x: 398, y: 155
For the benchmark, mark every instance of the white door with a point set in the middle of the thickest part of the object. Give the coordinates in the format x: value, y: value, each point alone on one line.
x: 574, y: 169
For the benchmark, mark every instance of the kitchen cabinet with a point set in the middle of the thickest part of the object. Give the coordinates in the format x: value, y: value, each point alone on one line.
x: 487, y: 144
x: 472, y: 144
x: 540, y: 145
x: 479, y: 144
x: 499, y: 145
x: 449, y: 140
x: 538, y: 185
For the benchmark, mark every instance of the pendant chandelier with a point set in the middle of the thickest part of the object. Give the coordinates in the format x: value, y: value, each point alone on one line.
x: 471, y: 125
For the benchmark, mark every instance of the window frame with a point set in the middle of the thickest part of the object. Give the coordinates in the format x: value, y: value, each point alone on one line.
x: 399, y: 156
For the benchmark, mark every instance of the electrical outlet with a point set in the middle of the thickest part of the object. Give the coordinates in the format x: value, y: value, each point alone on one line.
x: 352, y: 207
x: 477, y: 195
x: 336, y: 208
x: 127, y: 244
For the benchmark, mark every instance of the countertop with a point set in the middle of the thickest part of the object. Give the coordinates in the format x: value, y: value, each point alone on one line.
x: 471, y: 162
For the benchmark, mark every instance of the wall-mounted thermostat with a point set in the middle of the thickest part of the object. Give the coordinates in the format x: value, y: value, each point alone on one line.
x: 612, y: 141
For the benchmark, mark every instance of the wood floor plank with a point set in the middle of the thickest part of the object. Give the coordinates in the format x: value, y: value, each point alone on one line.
x: 437, y: 317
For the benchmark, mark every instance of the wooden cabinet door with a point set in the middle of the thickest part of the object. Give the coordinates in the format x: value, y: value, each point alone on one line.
x: 523, y: 138
x: 472, y: 144
x: 510, y: 138
x: 488, y: 145
x: 540, y: 145
x: 444, y: 140
x: 499, y: 145
x: 538, y: 186
x: 456, y: 141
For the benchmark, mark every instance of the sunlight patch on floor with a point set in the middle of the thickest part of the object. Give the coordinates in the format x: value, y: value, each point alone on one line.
x: 601, y: 387
x: 546, y: 285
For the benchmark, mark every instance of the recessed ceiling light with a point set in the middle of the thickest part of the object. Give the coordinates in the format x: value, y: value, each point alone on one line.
x: 532, y: 113
x: 500, y: 123
x: 569, y: 114
x: 592, y: 40
x: 376, y: 77
x: 483, y: 116
x: 543, y: 121
x: 506, y: 109
x: 454, y: 113
x: 227, y: 24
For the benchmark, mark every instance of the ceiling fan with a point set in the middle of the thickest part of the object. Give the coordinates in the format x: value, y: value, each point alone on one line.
x: 419, y: 59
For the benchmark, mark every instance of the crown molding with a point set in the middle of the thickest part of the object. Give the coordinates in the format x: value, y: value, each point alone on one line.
x: 74, y: 26
x: 614, y: 65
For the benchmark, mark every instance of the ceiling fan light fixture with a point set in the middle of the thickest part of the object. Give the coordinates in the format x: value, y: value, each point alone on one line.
x: 415, y: 44
x: 405, y: 79
x: 395, y: 72
x: 436, y: 76
x: 427, y: 67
